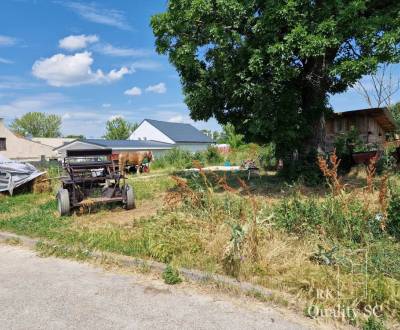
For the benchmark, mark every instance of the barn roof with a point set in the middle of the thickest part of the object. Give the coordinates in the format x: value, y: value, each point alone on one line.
x: 382, y: 115
x: 179, y: 132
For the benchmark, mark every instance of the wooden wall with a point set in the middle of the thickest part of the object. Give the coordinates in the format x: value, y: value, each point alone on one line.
x: 370, y: 132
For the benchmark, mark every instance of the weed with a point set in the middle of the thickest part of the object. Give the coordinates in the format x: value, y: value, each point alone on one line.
x: 373, y: 324
x: 171, y: 275
x: 330, y: 171
x: 371, y: 169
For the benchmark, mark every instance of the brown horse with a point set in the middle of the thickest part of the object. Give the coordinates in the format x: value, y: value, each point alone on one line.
x: 134, y: 158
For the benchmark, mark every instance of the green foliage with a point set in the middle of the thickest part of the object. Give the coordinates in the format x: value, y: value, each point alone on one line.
x: 75, y: 136
x: 373, y: 323
x: 181, y: 159
x: 395, y: 111
x: 176, y: 158
x: 119, y: 129
x: 171, y: 275
x: 268, y: 67
x: 213, y: 156
x: 393, y: 216
x: 325, y: 256
x: 37, y: 124
x: 345, y: 145
x: 229, y: 136
x: 351, y: 223
x: 303, y: 170
x: 267, y: 157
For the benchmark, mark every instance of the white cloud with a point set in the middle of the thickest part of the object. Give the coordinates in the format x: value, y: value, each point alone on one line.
x: 39, y: 102
x: 77, y: 42
x: 5, y: 61
x: 96, y: 14
x: 146, y: 65
x: 134, y: 91
x: 106, y: 105
x: 111, y: 50
x: 7, y: 41
x: 177, y: 119
x: 72, y: 70
x: 159, y: 88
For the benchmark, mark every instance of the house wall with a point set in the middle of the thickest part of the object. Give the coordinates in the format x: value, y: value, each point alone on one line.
x: 22, y: 149
x: 193, y: 147
x: 370, y: 132
x: 146, y: 131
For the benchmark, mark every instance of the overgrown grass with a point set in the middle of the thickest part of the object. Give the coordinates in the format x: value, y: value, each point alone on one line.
x: 299, y: 244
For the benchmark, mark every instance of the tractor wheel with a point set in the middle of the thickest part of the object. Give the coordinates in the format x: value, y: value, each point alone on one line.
x: 63, y: 202
x: 130, y: 197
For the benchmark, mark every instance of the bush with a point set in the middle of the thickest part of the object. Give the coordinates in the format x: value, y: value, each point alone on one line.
x: 305, y: 170
x: 393, y: 216
x: 176, y: 158
x: 171, y: 275
x: 341, y: 219
x: 267, y: 157
x: 213, y: 156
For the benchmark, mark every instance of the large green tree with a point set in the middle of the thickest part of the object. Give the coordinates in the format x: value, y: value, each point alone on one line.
x: 268, y: 67
x: 37, y: 124
x: 119, y: 129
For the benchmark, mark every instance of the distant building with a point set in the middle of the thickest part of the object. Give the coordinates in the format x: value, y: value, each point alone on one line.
x: 117, y: 146
x: 22, y: 149
x: 178, y: 135
x: 53, y: 142
x: 372, y: 125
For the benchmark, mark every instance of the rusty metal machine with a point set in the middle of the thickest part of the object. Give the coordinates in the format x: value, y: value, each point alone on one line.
x: 92, y: 178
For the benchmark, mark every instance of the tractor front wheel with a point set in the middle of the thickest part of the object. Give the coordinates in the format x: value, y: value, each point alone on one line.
x: 64, y: 206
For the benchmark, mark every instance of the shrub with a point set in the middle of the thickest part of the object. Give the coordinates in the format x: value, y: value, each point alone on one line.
x: 267, y: 157
x: 393, y: 215
x: 171, y: 275
x: 373, y: 324
x: 343, y: 219
x: 213, y: 156
x: 176, y: 158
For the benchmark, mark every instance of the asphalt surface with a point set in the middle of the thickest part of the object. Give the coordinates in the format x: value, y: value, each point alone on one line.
x: 51, y: 293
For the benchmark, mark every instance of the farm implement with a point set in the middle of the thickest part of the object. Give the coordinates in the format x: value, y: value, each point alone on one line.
x: 92, y: 178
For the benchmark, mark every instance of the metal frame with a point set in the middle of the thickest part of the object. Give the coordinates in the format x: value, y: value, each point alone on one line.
x: 92, y: 175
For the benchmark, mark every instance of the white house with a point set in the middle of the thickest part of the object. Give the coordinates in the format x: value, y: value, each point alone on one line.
x: 179, y: 135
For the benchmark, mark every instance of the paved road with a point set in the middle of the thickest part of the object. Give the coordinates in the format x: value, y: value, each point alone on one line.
x: 50, y: 293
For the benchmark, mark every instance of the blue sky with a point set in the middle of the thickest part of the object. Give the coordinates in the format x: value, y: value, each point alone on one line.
x: 89, y: 61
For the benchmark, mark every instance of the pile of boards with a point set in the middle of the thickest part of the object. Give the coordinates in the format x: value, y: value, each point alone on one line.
x: 14, y: 174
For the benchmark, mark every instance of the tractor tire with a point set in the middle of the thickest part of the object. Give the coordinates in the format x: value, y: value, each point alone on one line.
x: 129, y: 197
x: 64, y: 206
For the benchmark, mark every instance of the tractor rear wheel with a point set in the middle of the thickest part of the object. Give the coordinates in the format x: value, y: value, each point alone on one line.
x: 129, y: 197
x: 64, y: 206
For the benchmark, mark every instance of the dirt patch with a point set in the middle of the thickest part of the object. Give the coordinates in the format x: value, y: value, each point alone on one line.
x: 119, y: 216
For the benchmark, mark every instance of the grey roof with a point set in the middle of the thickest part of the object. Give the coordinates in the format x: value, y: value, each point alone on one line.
x: 134, y: 144
x: 179, y: 132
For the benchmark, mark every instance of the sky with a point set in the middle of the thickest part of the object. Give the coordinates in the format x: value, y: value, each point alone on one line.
x: 89, y: 61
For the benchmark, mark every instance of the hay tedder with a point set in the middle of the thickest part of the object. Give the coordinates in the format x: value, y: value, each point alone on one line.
x: 92, y: 178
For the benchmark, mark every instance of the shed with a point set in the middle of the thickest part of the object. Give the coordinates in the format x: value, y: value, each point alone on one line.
x: 117, y: 146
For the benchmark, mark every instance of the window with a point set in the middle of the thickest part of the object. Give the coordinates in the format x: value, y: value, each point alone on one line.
x: 3, y: 144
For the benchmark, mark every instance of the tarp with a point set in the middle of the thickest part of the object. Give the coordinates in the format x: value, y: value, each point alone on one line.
x: 14, y: 174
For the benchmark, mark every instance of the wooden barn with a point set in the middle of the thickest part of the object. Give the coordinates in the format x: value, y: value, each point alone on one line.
x: 374, y: 125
